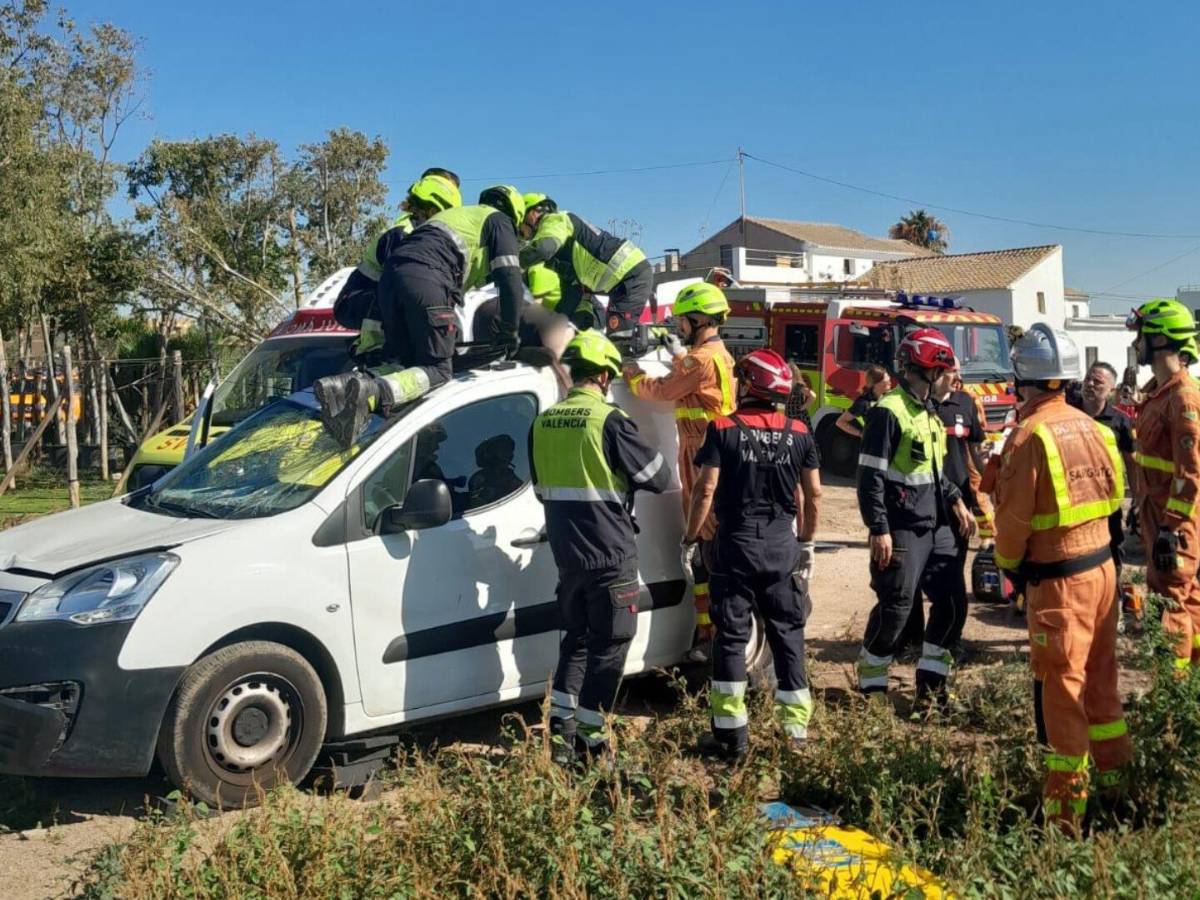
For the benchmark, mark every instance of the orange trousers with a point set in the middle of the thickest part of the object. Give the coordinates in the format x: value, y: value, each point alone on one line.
x: 689, y: 446
x: 1182, y: 616
x: 1073, y: 652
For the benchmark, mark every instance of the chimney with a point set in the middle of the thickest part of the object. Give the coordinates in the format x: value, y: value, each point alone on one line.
x: 671, y: 259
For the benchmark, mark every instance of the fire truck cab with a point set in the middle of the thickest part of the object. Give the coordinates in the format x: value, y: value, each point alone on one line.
x: 833, y: 336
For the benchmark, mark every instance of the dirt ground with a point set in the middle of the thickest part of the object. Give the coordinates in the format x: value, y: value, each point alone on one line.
x: 82, y: 816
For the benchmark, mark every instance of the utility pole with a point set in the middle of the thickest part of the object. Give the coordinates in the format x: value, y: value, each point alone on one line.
x: 741, y: 156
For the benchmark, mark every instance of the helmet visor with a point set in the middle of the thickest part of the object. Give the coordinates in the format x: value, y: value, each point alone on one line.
x: 1133, y: 321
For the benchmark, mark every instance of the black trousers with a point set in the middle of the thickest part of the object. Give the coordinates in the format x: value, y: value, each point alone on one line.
x: 598, y: 608
x: 753, y: 570
x: 627, y: 300
x: 417, y: 308
x: 933, y: 561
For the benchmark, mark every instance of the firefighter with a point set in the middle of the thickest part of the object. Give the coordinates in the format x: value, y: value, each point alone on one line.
x: 356, y: 306
x: 700, y: 384
x: 911, y: 510
x: 587, y: 458
x: 1060, y: 477
x: 1168, y: 471
x: 755, y: 466
x: 424, y: 277
x: 588, y: 259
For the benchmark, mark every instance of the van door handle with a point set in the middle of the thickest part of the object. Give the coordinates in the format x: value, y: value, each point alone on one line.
x: 531, y: 540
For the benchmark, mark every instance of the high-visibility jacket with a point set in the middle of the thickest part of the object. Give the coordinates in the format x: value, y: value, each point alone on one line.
x: 1168, y: 451
x: 599, y: 260
x: 544, y: 284
x: 371, y: 264
x: 1060, y: 478
x: 700, y: 384
x: 587, y: 459
x: 901, y: 482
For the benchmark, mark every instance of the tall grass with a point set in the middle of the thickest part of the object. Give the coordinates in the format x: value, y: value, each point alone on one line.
x: 957, y: 794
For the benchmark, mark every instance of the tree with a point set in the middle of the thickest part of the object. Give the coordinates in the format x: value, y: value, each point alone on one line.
x: 216, y: 213
x: 337, y: 193
x: 922, y: 229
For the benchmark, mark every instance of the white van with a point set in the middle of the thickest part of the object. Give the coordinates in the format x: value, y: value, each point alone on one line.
x: 272, y: 593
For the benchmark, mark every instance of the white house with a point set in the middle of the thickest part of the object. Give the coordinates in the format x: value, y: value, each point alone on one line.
x: 780, y: 252
x: 1022, y: 286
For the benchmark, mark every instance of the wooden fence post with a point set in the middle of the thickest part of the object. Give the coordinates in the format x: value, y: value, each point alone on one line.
x: 54, y: 392
x: 101, y: 370
x: 51, y: 412
x: 23, y: 390
x: 177, y: 384
x: 39, y: 396
x: 150, y: 429
x: 5, y: 407
x: 72, y: 435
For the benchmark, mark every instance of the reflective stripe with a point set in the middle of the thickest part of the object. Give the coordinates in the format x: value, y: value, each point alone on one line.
x: 632, y: 382
x: 703, y: 618
x: 731, y: 722
x: 730, y: 688
x: 1178, y: 506
x: 895, y: 474
x: 459, y: 244
x: 612, y: 273
x: 1183, y: 662
x: 936, y: 666
x: 1196, y: 640
x: 590, y: 717
x: 563, y: 700
x: 1006, y: 562
x: 1110, y: 778
x: 693, y: 412
x: 802, y: 697
x: 1075, y: 514
x: 725, y: 381
x: 649, y: 470
x: 1077, y: 806
x: 872, y: 682
x: 872, y: 462
x: 700, y: 590
x: 1062, y: 762
x: 928, y: 649
x: 1146, y: 461
x: 582, y: 495
x: 871, y: 659
x: 796, y: 731
x: 1107, y: 731
x: 504, y: 262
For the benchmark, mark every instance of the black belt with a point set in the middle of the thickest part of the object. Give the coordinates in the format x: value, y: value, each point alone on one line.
x: 1035, y: 573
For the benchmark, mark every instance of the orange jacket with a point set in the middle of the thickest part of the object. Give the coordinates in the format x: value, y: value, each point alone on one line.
x: 700, y: 385
x: 1168, y: 450
x: 1033, y: 492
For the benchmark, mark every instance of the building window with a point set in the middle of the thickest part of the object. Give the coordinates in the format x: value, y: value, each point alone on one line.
x: 1041, y: 302
x: 1093, y: 355
x: 727, y: 256
x: 847, y: 267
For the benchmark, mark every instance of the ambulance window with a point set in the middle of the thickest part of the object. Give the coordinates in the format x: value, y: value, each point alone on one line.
x: 480, y: 451
x: 801, y: 345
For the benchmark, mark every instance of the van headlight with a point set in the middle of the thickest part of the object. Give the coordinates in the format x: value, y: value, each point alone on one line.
x: 111, y: 592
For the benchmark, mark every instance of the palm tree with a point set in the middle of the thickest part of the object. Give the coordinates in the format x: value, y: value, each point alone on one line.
x: 922, y: 229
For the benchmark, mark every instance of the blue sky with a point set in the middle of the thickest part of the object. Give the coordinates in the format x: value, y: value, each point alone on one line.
x: 1077, y: 114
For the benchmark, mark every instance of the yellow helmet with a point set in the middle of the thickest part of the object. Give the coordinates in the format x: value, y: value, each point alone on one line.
x: 535, y: 199
x: 591, y: 349
x: 507, y: 199
x: 436, y: 190
x: 700, y: 298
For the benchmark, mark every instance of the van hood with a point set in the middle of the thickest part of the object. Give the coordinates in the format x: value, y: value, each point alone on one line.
x: 69, y: 540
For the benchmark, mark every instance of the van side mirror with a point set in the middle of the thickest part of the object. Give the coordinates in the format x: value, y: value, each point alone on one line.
x: 427, y: 505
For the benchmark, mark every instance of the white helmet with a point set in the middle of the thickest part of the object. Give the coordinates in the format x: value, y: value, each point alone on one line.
x: 1046, y: 354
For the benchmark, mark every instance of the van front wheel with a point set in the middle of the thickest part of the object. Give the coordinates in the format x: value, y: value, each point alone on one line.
x: 248, y: 716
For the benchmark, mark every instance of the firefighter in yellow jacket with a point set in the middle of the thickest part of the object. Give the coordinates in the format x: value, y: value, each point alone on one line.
x: 700, y: 385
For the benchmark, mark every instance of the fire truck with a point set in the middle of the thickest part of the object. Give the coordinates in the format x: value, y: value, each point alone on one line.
x: 834, y: 335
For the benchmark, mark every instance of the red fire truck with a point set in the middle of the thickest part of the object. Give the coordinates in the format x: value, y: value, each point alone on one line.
x: 834, y: 335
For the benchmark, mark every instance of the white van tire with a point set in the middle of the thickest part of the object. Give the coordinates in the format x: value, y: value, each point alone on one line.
x: 248, y: 716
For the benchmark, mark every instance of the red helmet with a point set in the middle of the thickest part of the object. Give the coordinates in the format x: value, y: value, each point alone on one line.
x: 766, y: 375
x: 926, y: 348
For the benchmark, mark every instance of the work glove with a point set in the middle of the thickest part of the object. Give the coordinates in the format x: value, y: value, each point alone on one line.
x: 804, y: 568
x: 370, y: 337
x: 687, y: 554
x: 1166, y: 546
x: 670, y: 341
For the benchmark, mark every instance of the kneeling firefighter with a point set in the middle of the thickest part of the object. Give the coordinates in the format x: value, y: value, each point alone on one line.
x: 587, y: 458
x: 1060, y: 478
x: 763, y: 470
x: 424, y: 278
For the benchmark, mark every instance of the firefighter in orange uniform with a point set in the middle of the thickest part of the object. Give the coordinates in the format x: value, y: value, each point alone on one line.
x: 1168, y: 467
x: 1060, y: 478
x: 700, y: 385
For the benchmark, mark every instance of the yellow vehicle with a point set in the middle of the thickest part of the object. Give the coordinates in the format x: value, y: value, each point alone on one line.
x: 835, y: 860
x: 308, y: 345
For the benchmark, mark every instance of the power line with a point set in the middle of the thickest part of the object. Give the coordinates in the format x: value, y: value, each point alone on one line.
x: 967, y: 212
x: 716, y: 197
x: 684, y: 165
x: 1155, y: 268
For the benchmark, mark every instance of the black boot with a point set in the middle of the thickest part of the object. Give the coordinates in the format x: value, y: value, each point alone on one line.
x: 346, y: 402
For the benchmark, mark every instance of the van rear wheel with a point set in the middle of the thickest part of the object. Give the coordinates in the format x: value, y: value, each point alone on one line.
x: 248, y: 716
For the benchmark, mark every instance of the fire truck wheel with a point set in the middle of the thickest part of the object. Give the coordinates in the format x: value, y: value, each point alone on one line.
x: 839, y: 451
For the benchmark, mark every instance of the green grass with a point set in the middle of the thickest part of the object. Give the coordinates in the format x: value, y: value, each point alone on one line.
x: 44, y: 492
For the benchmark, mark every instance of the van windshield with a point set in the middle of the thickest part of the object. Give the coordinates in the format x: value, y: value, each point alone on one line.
x: 274, y: 461
x: 982, y: 350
